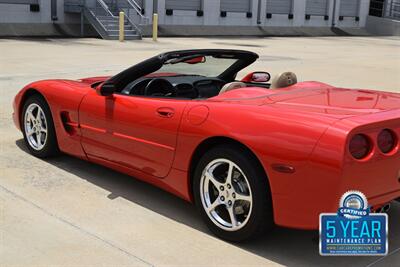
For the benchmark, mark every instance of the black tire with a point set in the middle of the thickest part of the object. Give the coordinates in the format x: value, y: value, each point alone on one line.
x: 50, y: 147
x: 261, y: 218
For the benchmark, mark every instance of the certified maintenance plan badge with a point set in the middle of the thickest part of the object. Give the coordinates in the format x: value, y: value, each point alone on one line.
x: 353, y: 230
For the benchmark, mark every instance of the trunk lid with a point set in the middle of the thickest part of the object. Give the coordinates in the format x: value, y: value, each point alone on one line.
x: 337, y: 101
x: 316, y: 99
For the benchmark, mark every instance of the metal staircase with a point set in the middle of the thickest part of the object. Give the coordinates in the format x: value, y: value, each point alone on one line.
x: 103, y: 15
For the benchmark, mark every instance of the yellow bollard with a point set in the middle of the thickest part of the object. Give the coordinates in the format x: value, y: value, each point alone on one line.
x: 155, y: 27
x: 121, y: 26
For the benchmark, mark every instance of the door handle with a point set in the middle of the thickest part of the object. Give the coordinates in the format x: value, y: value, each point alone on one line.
x: 165, y: 112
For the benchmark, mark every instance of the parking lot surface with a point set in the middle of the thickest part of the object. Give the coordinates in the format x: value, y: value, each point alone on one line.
x: 68, y: 212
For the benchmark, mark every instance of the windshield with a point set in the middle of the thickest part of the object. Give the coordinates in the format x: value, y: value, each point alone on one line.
x: 209, y: 66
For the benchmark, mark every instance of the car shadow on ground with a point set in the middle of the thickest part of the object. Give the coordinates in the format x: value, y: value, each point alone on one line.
x: 284, y: 246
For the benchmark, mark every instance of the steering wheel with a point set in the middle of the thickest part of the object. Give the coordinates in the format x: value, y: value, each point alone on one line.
x: 160, y: 87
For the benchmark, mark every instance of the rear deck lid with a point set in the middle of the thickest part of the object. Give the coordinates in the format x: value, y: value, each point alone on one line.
x: 337, y: 101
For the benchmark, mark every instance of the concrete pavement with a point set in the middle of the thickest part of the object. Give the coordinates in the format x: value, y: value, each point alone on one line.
x: 68, y: 212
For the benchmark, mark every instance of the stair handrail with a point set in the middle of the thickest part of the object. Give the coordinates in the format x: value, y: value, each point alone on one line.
x: 138, y: 9
x: 133, y: 3
x: 105, y: 7
x: 133, y: 24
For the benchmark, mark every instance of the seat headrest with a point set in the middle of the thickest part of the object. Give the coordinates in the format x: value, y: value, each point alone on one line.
x: 231, y: 86
x: 284, y: 80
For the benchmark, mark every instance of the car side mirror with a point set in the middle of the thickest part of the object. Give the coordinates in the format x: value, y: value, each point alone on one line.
x: 105, y: 89
x: 260, y: 77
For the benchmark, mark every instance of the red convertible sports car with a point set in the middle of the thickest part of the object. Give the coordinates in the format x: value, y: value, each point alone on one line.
x: 249, y: 153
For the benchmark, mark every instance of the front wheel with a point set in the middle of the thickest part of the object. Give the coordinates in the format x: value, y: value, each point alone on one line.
x: 232, y: 193
x: 37, y: 127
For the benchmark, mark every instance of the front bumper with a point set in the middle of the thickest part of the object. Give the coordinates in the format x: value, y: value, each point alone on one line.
x: 15, y: 114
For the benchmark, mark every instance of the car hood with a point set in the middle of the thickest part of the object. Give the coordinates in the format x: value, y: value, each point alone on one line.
x: 91, y: 80
x: 314, y: 97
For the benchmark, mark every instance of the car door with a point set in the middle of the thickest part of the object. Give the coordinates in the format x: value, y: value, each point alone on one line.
x: 133, y: 131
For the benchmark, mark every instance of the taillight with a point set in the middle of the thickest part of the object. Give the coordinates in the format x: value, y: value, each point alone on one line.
x: 360, y: 146
x: 386, y: 140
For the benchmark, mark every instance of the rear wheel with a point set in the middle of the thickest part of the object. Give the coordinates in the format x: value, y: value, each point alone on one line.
x: 232, y: 193
x: 37, y: 127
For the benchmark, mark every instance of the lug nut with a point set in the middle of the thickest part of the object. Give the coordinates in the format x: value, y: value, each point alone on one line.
x: 229, y: 202
x: 229, y: 186
x: 221, y: 188
x: 233, y: 195
x: 222, y: 198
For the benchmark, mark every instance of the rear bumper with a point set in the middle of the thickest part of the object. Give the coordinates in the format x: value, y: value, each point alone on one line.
x: 385, y: 198
x: 289, y: 214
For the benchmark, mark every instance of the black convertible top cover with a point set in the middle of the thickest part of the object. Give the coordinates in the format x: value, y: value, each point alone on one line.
x: 245, y: 58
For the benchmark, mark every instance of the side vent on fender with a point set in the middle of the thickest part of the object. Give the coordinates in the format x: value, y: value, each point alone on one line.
x: 69, y: 126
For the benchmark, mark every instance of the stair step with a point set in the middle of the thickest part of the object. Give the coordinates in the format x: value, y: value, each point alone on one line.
x: 110, y: 19
x: 126, y: 35
x: 137, y: 37
x: 116, y: 27
x: 126, y: 39
x: 107, y: 18
x: 105, y: 23
x: 112, y: 22
x: 116, y: 33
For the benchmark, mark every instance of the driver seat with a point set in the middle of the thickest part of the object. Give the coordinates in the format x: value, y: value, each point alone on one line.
x: 284, y: 79
x: 232, y: 86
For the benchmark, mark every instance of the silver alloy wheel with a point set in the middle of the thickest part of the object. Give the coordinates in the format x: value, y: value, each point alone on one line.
x: 226, y: 194
x: 35, y: 126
